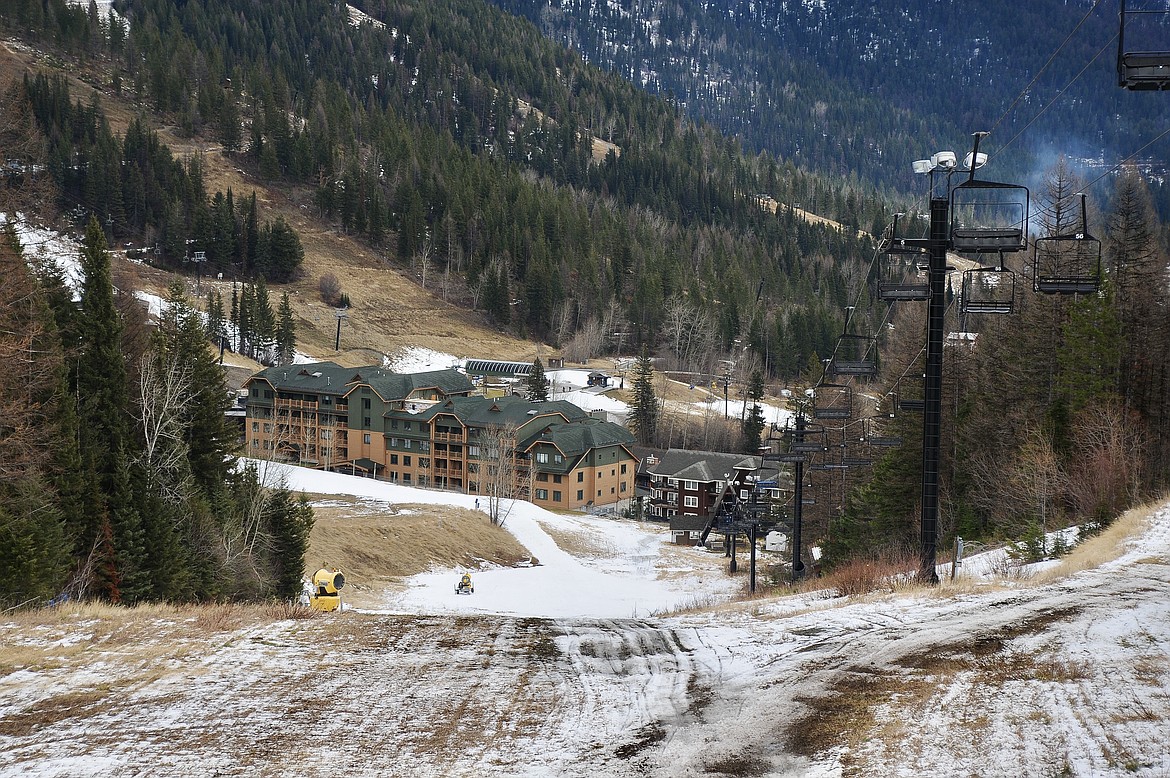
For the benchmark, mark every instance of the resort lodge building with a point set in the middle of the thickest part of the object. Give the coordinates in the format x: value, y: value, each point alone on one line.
x: 426, y: 429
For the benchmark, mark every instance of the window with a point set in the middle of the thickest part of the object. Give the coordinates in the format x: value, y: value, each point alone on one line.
x: 406, y: 425
x: 365, y: 403
x: 326, y: 401
x: 613, y: 471
x: 557, y: 478
x: 326, y: 434
x: 542, y: 477
x: 672, y: 498
x: 743, y: 494
x: 366, y: 422
x: 406, y: 477
x: 394, y: 424
x: 598, y: 492
x: 255, y: 426
x: 556, y: 496
x: 424, y: 462
x: 581, y: 477
x: 366, y: 438
x: 623, y: 487
x: 542, y: 494
x: 393, y: 459
x: 688, y: 502
x: 623, y: 468
x: 558, y: 459
x: 473, y: 451
x: 255, y: 442
x: 542, y: 457
x: 407, y: 443
x: 671, y: 482
x: 424, y: 446
x: 392, y: 443
x: 691, y: 486
x: 406, y: 461
x: 268, y: 428
x: 580, y: 494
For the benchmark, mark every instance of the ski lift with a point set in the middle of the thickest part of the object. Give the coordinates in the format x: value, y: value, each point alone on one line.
x: 988, y: 290
x: 832, y: 401
x: 1068, y: 264
x: 873, y: 438
x: 1143, y: 51
x: 855, y: 355
x: 897, y: 285
x: 911, y: 399
x: 988, y: 217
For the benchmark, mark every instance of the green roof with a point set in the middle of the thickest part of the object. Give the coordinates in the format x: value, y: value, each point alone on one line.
x: 331, y: 378
x: 499, y: 411
x: 577, y: 437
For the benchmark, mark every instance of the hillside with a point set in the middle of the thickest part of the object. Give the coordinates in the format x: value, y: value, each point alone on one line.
x: 389, y: 310
x: 1017, y: 674
x: 860, y: 91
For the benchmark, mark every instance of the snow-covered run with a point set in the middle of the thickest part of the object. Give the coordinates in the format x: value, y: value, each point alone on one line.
x: 625, y: 583
x: 41, y: 244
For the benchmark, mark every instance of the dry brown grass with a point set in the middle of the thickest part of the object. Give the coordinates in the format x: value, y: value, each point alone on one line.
x: 1104, y: 547
x: 141, y: 636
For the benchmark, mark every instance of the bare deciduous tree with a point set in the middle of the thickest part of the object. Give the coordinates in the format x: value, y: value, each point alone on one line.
x: 497, y: 469
x: 164, y: 391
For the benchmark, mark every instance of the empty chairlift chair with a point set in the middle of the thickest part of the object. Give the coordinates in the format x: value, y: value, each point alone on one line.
x: 832, y: 401
x: 1068, y: 264
x: 1143, y: 45
x: 988, y: 217
x: 903, y: 281
x: 989, y: 289
x: 856, y: 355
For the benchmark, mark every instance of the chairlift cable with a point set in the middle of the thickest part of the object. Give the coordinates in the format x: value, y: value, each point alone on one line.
x: 1124, y: 160
x: 1056, y: 97
x: 1039, y: 72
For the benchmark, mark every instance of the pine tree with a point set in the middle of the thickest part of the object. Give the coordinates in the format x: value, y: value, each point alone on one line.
x: 103, y: 406
x: 644, y: 410
x: 289, y: 522
x: 753, y: 425
x: 286, y: 335
x: 536, y: 385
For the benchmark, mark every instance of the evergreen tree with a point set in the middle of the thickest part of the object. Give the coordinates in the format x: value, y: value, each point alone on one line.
x: 286, y: 335
x: 644, y: 409
x: 103, y: 406
x: 289, y: 522
x: 215, y: 320
x: 536, y: 384
x: 753, y: 425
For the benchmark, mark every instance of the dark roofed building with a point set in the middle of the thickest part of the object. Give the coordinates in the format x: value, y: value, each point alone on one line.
x: 691, y: 483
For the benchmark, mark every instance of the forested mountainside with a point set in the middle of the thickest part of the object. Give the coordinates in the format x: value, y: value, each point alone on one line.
x: 862, y: 89
x: 455, y: 137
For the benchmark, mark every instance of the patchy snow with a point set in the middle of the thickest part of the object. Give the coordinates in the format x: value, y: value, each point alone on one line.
x: 41, y: 244
x: 416, y: 359
x: 561, y: 669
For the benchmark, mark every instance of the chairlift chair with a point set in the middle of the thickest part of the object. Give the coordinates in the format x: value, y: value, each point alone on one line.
x: 988, y: 217
x: 988, y: 290
x: 1143, y: 46
x: 914, y: 402
x: 832, y: 401
x: 856, y: 355
x: 1068, y: 264
x: 896, y: 285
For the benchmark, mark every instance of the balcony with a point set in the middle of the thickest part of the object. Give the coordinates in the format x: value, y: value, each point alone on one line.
x: 449, y: 437
x: 290, y: 404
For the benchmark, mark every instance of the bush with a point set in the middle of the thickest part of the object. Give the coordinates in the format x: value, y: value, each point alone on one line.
x: 330, y: 289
